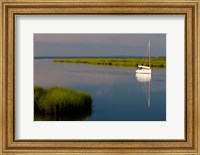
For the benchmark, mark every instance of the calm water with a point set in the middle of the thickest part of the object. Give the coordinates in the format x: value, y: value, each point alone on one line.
x: 117, y: 93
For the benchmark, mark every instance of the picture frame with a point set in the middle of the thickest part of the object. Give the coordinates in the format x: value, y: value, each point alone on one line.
x: 12, y: 8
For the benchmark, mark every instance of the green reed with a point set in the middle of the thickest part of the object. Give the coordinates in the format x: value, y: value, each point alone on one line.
x: 59, y: 100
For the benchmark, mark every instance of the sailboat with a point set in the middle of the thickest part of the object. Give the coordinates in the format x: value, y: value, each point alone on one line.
x: 145, y: 69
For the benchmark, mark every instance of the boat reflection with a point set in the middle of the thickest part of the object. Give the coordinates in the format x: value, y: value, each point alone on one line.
x: 146, y: 80
x: 143, y: 77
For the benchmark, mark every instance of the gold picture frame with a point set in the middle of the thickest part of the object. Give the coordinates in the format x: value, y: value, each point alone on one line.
x: 12, y: 8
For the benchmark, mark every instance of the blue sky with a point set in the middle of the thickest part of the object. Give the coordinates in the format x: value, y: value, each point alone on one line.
x: 98, y: 44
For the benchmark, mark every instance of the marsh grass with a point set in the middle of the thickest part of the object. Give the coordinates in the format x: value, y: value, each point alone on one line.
x: 129, y: 62
x: 38, y: 92
x: 59, y: 100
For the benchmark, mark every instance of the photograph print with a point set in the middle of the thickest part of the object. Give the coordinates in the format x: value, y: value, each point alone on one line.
x: 99, y: 77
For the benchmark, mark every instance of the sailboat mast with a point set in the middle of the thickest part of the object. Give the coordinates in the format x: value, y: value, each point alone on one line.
x: 149, y: 52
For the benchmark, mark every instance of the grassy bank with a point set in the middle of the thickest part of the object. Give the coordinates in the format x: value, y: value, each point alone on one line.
x: 59, y: 100
x: 129, y: 62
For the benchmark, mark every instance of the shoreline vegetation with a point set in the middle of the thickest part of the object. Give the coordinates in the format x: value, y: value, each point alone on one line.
x: 61, y: 101
x: 127, y: 62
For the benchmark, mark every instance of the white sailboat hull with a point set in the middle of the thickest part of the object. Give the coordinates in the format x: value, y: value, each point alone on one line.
x: 143, y: 71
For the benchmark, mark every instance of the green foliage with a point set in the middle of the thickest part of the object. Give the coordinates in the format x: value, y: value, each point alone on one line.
x: 60, y: 100
x: 129, y: 62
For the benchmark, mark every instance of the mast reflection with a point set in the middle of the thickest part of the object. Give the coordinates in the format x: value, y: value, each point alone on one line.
x: 146, y: 79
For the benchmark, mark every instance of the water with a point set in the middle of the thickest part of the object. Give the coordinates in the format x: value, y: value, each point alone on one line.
x: 117, y: 93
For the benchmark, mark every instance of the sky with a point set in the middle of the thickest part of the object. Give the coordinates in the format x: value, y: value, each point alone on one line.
x: 94, y: 44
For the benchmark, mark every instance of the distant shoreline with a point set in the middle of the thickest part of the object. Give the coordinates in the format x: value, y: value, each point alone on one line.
x: 73, y: 57
x: 128, y: 62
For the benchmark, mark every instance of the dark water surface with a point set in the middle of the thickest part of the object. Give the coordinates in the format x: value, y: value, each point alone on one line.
x: 118, y: 93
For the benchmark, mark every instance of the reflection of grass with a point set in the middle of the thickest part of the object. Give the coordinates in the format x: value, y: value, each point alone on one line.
x: 58, y: 100
x: 131, y: 62
x: 84, y: 115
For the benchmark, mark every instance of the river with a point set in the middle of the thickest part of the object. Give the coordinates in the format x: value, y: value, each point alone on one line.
x: 118, y: 93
